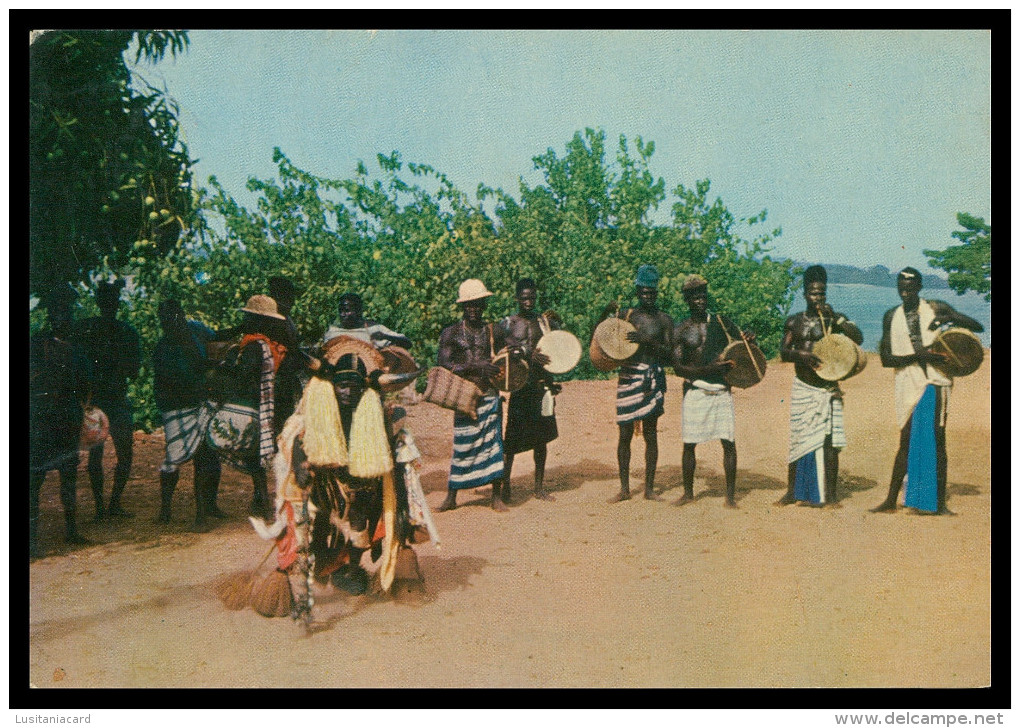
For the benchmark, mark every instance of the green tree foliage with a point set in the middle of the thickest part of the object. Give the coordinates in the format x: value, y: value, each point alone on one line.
x: 405, y: 237
x: 970, y: 263
x: 107, y: 166
x: 583, y: 233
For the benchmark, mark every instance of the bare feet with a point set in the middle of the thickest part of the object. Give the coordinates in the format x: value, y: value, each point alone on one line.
x: 651, y: 495
x: 730, y: 503
x: 943, y: 511
x: 450, y: 503
x: 884, y: 507
x: 623, y: 495
x: 202, y: 526
x: 685, y: 499
x: 504, y: 492
x: 542, y: 494
x: 215, y: 512
x: 498, y: 505
x: 831, y: 505
x: 786, y: 500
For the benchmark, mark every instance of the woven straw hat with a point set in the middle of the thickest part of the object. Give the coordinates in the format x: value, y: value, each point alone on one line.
x: 471, y: 290
x: 262, y: 306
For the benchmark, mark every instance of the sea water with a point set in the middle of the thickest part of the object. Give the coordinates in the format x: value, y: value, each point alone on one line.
x: 866, y: 305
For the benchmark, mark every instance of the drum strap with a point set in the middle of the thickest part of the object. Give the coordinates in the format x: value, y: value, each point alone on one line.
x: 757, y: 369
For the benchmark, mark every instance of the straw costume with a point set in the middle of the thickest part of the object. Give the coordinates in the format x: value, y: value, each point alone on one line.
x: 341, y: 485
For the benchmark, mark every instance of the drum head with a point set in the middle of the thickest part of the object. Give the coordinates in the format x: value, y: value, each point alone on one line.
x: 838, y: 354
x: 964, y: 350
x: 513, y: 373
x: 563, y: 350
x: 748, y: 364
x: 611, y: 336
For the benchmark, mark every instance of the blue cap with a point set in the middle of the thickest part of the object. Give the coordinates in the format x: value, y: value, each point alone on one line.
x: 647, y: 277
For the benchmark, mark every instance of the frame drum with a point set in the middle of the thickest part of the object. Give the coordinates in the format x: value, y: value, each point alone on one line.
x: 563, y: 350
x: 609, y: 346
x: 964, y: 350
x: 748, y: 364
x: 838, y: 354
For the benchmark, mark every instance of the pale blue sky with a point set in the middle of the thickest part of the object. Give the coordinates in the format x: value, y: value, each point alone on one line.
x: 863, y: 145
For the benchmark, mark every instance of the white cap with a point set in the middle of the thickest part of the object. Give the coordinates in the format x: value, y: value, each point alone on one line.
x: 471, y: 290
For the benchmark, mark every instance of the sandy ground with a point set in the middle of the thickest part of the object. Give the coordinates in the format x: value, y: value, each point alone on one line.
x: 575, y: 593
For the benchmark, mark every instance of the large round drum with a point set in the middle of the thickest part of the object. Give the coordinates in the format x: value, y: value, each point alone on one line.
x: 609, y: 346
x: 513, y: 372
x: 963, y: 349
x: 838, y: 354
x: 563, y: 350
x: 862, y: 362
x: 748, y: 364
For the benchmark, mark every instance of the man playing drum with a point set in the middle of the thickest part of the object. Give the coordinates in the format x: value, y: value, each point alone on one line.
x: 922, y: 394
x: 528, y: 426
x: 641, y: 388
x: 708, y: 403
x: 816, y: 405
x: 466, y: 348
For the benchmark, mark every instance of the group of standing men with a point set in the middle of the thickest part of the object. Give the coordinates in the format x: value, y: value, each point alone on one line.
x: 694, y: 348
x: 93, y: 363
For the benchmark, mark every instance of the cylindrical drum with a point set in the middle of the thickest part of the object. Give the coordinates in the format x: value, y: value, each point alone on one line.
x: 963, y: 349
x: 748, y: 364
x: 513, y: 372
x: 609, y: 346
x: 563, y: 350
x: 838, y: 354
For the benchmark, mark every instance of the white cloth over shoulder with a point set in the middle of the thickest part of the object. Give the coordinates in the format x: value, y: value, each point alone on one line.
x: 363, y: 333
x: 912, y: 379
x: 707, y: 413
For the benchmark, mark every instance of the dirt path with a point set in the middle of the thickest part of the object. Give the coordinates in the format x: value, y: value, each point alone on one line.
x: 576, y: 593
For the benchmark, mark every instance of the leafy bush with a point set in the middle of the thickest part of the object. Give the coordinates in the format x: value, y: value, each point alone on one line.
x: 407, y: 237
